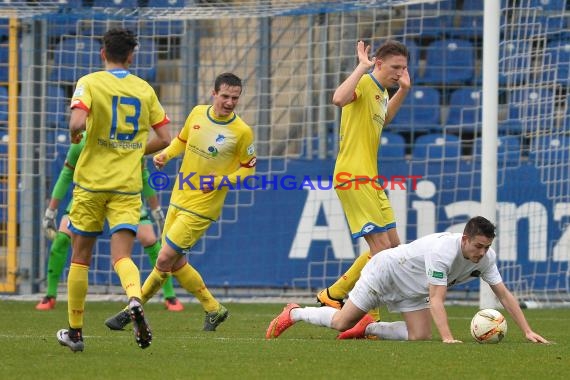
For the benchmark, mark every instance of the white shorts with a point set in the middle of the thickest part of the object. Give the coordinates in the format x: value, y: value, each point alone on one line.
x: 375, y: 288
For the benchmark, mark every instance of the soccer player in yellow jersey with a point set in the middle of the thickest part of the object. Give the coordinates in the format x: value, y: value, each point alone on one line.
x: 118, y: 110
x: 366, y: 109
x: 218, y: 151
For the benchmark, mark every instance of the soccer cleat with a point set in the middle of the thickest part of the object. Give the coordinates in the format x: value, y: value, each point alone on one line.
x: 141, y: 329
x: 47, y: 303
x: 119, y: 321
x: 173, y: 304
x: 282, y: 322
x: 71, y: 338
x: 325, y: 299
x: 215, y: 318
x: 359, y: 330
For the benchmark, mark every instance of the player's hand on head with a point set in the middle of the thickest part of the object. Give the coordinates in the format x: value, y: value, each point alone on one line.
x: 48, y: 223
x: 405, y: 81
x: 363, y: 51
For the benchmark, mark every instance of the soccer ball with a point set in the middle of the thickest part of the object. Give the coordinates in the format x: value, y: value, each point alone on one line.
x: 488, y: 326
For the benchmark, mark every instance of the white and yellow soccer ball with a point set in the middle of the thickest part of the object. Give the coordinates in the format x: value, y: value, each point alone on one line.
x: 488, y: 326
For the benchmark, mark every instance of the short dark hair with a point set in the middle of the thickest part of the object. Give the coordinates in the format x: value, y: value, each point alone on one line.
x: 229, y: 79
x: 118, y: 44
x: 392, y: 48
x: 479, y: 226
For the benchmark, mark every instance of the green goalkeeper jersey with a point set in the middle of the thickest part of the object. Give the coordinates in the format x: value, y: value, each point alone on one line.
x: 66, y: 174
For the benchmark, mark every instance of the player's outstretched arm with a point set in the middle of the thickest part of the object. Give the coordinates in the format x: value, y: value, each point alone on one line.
x: 511, y: 304
x: 437, y: 294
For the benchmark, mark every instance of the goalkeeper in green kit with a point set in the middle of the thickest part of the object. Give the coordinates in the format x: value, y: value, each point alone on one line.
x: 61, y: 239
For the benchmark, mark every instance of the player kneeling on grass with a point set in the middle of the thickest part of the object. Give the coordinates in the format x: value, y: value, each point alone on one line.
x: 413, y: 279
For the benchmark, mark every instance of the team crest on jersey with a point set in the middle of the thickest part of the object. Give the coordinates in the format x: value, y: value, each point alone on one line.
x: 220, y: 139
x: 250, y: 150
x: 213, y: 151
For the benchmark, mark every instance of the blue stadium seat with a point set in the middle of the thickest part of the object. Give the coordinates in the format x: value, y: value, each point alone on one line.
x: 508, y: 150
x: 414, y: 61
x: 3, y: 62
x: 115, y: 3
x: 92, y: 27
x: 146, y: 56
x: 429, y: 19
x: 166, y: 3
x: 557, y: 57
x: 436, y: 146
x: 514, y: 63
x: 76, y: 56
x: 531, y: 104
x: 510, y: 127
x: 470, y: 24
x: 464, y: 110
x: 57, y: 105
x: 470, y: 20
x: 420, y: 111
x: 449, y: 62
x: 4, y: 27
x: 547, y: 150
x: 60, y: 24
x: 165, y: 28
x: 392, y: 147
x: 554, y: 16
x: 3, y: 104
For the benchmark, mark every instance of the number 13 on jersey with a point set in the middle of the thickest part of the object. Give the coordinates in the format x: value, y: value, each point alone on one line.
x: 130, y: 119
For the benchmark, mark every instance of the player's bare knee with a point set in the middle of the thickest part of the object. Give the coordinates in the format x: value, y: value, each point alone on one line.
x: 163, y: 263
x: 340, y: 323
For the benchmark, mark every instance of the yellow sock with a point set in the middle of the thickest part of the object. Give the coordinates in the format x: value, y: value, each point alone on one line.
x: 375, y: 313
x: 190, y: 279
x: 130, y: 277
x: 339, y: 290
x: 76, y: 292
x: 153, y: 283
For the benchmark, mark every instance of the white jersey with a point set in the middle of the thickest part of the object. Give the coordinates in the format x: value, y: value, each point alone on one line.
x: 436, y: 259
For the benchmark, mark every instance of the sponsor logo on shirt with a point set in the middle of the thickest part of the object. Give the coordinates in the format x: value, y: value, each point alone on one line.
x: 435, y: 274
x: 220, y: 139
x: 213, y: 151
x: 79, y: 91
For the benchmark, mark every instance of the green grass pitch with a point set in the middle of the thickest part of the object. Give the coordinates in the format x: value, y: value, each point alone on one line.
x: 238, y: 350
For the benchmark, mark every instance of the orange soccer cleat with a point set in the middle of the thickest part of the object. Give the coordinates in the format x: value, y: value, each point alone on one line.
x: 282, y: 322
x: 173, y: 304
x: 47, y: 303
x: 358, y: 331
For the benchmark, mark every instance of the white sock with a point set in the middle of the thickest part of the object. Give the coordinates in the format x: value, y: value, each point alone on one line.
x: 388, y: 330
x: 320, y: 316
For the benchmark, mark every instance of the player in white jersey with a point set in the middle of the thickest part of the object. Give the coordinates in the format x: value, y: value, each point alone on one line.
x: 413, y: 279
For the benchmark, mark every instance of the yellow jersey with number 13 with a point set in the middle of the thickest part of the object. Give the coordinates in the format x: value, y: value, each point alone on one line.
x: 361, y: 125
x: 122, y: 108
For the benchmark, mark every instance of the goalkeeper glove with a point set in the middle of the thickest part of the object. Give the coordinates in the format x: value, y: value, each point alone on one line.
x: 158, y: 217
x: 48, y: 223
